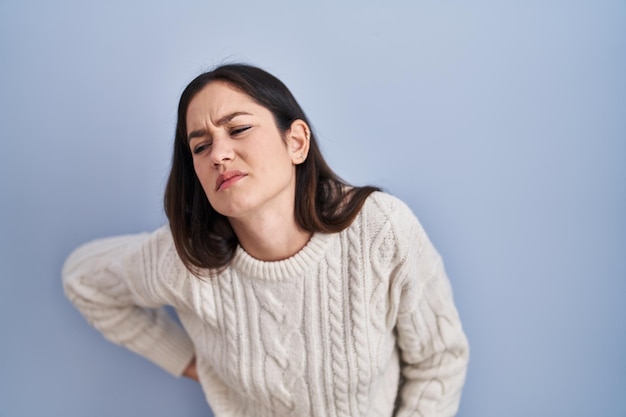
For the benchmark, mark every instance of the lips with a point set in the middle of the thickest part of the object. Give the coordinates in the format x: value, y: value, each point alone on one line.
x: 228, y: 178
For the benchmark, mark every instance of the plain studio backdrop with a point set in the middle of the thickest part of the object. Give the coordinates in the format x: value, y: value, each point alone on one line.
x: 502, y: 124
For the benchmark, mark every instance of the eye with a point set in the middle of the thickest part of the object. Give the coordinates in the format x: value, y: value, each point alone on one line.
x: 201, y: 147
x: 239, y: 130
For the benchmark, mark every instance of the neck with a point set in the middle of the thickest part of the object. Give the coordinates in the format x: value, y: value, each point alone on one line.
x: 270, y: 238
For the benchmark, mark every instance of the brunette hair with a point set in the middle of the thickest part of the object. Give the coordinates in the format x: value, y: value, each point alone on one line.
x: 203, y: 237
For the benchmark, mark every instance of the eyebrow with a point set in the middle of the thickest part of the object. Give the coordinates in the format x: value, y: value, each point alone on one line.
x: 201, y: 132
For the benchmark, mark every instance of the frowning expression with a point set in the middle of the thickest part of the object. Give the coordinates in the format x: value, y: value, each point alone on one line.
x: 245, y: 165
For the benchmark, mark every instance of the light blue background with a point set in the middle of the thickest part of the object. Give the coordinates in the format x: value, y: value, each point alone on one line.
x: 502, y: 124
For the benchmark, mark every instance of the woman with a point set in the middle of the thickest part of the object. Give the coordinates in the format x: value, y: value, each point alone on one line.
x: 299, y: 295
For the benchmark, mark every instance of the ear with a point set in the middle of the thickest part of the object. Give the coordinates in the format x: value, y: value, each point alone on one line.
x: 298, y: 141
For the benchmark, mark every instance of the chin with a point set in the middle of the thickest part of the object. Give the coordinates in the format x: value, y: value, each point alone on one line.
x: 231, y: 208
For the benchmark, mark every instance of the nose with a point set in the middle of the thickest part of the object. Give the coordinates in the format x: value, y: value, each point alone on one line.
x: 221, y: 151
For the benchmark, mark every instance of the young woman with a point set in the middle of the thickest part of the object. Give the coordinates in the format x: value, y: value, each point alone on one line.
x: 299, y: 294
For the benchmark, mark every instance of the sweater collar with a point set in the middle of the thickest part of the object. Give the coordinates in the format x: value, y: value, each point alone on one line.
x: 297, y: 265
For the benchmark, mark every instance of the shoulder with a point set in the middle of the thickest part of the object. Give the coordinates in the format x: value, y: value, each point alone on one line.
x: 155, y: 256
x: 383, y: 208
x: 398, y: 244
x: 390, y: 227
x: 385, y: 202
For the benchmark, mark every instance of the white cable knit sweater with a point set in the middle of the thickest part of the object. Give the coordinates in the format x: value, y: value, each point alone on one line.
x: 326, y: 332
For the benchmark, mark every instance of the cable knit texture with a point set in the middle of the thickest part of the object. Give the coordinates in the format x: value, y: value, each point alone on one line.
x: 358, y: 323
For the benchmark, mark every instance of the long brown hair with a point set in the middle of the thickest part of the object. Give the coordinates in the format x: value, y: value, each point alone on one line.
x: 203, y: 237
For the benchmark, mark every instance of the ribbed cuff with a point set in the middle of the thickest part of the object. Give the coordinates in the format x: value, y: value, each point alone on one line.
x: 173, y: 350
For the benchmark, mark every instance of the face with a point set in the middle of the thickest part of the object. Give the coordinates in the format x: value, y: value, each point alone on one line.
x: 244, y: 163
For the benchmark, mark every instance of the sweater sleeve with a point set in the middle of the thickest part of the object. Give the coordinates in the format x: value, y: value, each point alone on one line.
x: 433, y: 346
x: 111, y: 284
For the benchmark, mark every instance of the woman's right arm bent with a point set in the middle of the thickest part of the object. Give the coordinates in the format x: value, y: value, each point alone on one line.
x: 109, y: 281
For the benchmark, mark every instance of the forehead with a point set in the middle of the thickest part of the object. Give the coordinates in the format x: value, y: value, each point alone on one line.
x: 218, y: 99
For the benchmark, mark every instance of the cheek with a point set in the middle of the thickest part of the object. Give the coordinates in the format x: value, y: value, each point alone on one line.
x: 272, y: 156
x: 197, y: 167
x: 203, y: 173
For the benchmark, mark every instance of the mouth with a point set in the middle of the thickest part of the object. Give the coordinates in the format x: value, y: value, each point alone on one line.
x: 228, y: 178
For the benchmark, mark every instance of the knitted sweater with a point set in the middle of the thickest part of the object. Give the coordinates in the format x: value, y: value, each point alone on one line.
x: 357, y: 323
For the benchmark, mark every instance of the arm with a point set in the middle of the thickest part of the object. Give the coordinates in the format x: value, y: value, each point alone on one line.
x: 434, y: 349
x: 110, y: 283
